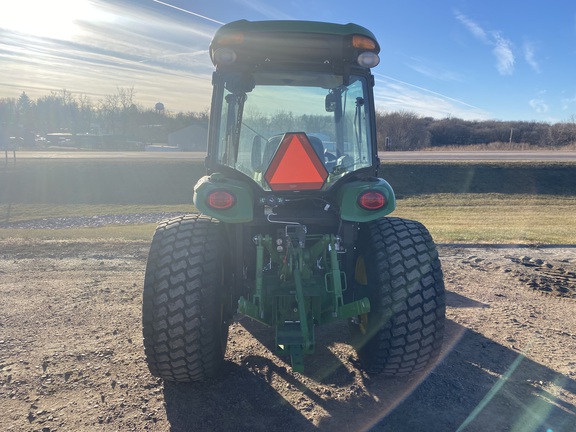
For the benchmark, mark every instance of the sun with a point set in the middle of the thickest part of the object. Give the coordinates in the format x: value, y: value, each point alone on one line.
x: 57, y: 19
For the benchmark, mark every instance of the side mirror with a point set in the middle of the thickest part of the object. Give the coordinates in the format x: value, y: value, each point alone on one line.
x: 331, y: 102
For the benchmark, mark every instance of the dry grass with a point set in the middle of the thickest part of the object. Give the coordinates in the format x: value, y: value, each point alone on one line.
x: 501, y: 146
x: 459, y: 202
x: 494, y: 218
x: 451, y: 218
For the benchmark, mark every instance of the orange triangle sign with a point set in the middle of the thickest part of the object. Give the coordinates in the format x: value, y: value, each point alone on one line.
x: 296, y: 166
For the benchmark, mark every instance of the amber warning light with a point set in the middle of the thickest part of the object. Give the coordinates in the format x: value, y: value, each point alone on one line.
x: 295, y: 165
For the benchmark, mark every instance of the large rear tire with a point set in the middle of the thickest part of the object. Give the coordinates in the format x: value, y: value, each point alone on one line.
x: 184, y: 302
x: 398, y: 268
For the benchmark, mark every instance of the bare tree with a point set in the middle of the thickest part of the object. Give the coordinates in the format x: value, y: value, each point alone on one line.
x: 404, y: 130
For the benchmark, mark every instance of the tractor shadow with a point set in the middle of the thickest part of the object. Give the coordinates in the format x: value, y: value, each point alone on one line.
x: 477, y: 385
x: 480, y: 385
x: 236, y: 401
x: 323, y: 366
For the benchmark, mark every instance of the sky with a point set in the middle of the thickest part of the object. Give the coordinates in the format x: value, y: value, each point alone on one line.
x: 469, y: 59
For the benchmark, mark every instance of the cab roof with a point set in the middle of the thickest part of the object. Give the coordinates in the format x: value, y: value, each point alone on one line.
x: 289, y: 26
x: 273, y: 43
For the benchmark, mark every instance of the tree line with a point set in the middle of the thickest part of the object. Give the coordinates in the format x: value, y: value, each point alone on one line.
x: 118, y: 115
x: 408, y: 131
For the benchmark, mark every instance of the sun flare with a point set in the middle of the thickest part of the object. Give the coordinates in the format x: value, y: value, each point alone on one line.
x: 56, y: 19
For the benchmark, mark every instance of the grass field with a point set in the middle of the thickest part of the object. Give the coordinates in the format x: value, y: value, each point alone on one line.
x: 494, y: 218
x: 532, y: 203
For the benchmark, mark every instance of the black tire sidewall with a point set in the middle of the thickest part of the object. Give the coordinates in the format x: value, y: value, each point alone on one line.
x: 407, y: 299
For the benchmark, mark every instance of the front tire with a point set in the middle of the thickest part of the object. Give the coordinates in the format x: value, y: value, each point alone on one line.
x: 398, y: 269
x: 184, y: 302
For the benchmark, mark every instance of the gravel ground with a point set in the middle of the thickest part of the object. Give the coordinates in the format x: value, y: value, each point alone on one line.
x: 71, y: 356
x: 89, y: 221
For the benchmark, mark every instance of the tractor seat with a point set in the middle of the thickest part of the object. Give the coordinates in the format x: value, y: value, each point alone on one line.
x: 273, y: 143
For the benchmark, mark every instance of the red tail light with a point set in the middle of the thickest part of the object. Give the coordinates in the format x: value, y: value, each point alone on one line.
x: 372, y: 200
x: 220, y: 200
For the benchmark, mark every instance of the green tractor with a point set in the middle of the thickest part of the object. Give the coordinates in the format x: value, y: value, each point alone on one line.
x: 293, y: 229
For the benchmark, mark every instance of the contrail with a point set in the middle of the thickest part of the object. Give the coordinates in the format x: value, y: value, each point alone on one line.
x: 188, y: 12
x: 429, y: 91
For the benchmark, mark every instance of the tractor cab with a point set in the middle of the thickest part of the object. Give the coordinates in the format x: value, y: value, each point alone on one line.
x: 292, y: 229
x: 279, y: 83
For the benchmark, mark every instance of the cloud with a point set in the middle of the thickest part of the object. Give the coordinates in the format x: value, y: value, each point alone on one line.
x: 504, y: 55
x: 567, y: 103
x: 265, y: 9
x: 474, y: 28
x: 125, y: 45
x: 539, y: 105
x: 530, y: 56
x: 432, y: 70
x: 501, y: 47
x: 392, y: 94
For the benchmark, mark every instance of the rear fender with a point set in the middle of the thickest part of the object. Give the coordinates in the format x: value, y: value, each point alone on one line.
x: 242, y: 209
x: 349, y: 193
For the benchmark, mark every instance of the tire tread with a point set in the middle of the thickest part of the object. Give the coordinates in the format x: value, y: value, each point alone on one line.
x: 180, y: 305
x: 407, y: 290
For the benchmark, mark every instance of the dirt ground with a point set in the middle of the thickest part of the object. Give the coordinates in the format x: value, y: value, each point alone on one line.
x: 71, y: 356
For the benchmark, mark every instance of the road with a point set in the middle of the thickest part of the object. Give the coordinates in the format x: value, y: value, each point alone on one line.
x: 561, y: 156
x: 407, y: 156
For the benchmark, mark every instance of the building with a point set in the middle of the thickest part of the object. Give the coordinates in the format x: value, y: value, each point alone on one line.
x: 190, y: 138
